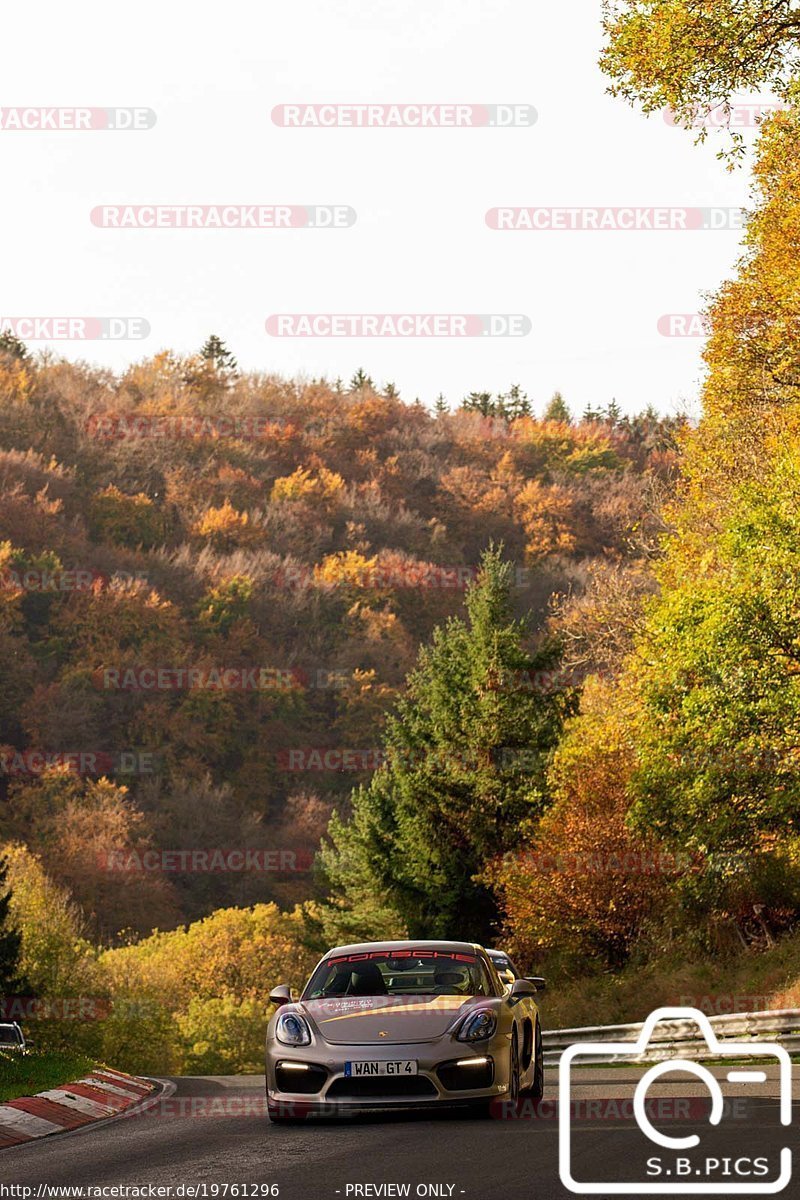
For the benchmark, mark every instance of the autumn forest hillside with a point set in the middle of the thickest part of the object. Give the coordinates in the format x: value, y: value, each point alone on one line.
x: 303, y: 536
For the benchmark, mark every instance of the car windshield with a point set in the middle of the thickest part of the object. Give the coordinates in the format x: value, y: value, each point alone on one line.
x: 399, y: 973
x: 8, y: 1036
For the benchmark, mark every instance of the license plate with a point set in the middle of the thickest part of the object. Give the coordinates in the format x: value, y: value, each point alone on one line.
x: 407, y: 1066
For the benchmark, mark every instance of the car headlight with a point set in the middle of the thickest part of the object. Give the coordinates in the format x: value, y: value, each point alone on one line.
x: 478, y: 1026
x: 292, y: 1030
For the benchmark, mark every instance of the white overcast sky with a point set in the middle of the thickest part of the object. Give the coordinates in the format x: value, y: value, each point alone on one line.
x: 213, y: 72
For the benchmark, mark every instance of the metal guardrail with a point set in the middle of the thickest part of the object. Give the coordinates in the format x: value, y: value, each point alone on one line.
x: 679, y: 1038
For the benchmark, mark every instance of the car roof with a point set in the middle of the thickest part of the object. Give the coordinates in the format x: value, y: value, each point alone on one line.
x: 415, y: 944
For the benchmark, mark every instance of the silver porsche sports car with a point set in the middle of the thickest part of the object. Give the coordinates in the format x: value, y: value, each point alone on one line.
x: 402, y: 1024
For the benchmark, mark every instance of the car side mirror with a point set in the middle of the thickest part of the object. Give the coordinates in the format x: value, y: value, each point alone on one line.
x: 282, y: 994
x: 521, y: 988
x: 537, y: 981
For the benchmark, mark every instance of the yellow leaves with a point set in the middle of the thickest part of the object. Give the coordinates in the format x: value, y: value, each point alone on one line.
x: 321, y: 486
x: 222, y: 1035
x: 128, y: 520
x: 750, y: 398
x: 478, y: 491
x: 226, y: 603
x: 106, y: 624
x: 223, y: 519
x: 238, y: 952
x: 225, y: 528
x: 549, y: 518
x: 372, y: 415
x: 205, y: 987
x: 362, y: 705
x: 155, y: 382
x: 56, y: 959
x: 347, y: 568
x: 16, y: 381
x: 10, y: 588
x: 584, y: 883
x: 540, y: 446
x: 46, y: 506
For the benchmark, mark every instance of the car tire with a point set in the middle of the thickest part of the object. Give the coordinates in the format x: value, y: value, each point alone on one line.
x: 514, y: 1071
x: 536, y: 1090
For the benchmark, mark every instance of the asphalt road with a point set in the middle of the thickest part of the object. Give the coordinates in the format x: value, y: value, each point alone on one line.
x: 215, y: 1131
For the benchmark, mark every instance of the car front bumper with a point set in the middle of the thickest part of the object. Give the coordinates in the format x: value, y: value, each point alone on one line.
x: 436, y: 1069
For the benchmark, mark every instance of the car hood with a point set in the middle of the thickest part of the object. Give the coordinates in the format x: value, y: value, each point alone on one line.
x: 382, y: 1020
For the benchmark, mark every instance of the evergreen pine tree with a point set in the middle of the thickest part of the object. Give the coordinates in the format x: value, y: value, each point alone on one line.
x: 361, y: 380
x: 613, y: 413
x: 557, y: 410
x: 11, y: 345
x: 215, y: 351
x: 480, y: 402
x: 465, y: 753
x: 515, y: 403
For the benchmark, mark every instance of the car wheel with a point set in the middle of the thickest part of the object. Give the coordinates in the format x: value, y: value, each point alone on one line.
x: 536, y: 1090
x: 514, y: 1071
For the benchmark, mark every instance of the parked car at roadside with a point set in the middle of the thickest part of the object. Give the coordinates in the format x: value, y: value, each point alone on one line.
x: 12, y: 1038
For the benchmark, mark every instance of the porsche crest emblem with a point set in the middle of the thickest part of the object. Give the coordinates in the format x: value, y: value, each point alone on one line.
x: 384, y: 1033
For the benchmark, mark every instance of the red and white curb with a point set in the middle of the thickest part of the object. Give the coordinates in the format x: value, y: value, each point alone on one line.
x: 95, y: 1097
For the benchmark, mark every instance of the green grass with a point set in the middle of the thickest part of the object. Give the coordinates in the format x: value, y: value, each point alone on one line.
x: 739, y: 983
x: 23, y: 1075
